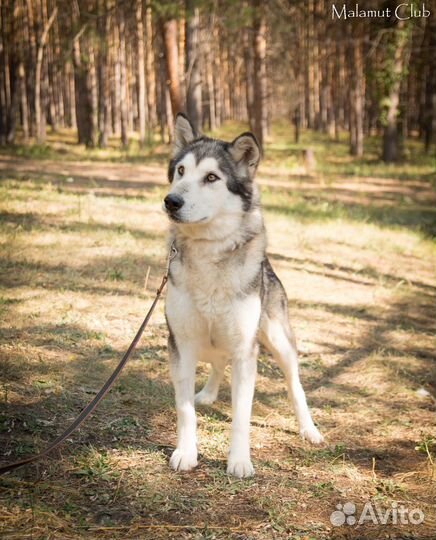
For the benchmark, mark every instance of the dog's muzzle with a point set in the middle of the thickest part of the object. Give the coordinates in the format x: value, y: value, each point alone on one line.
x: 173, y: 203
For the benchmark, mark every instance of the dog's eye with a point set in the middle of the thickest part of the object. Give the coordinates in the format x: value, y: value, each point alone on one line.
x: 212, y: 177
x: 181, y: 170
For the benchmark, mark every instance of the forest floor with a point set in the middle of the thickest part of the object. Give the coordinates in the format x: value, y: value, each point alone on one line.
x: 353, y: 242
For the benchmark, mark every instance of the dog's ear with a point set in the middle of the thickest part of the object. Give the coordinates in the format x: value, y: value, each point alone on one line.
x: 184, y: 133
x: 245, y: 151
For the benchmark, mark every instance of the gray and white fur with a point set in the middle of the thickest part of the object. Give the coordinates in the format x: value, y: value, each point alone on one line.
x: 223, y: 295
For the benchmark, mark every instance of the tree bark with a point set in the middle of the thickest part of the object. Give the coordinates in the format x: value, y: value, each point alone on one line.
x: 169, y: 36
x: 84, y: 98
x: 103, y: 76
x: 260, y: 81
x: 13, y: 74
x: 356, y: 95
x: 310, y: 71
x: 249, y: 76
x: 39, y: 125
x: 430, y: 88
x: 92, y: 81
x: 150, y: 72
x: 208, y: 67
x: 142, y: 102
x: 116, y: 86
x: 193, y: 69
x: 123, y: 76
x: 217, y: 76
x: 23, y: 101
x: 390, y: 135
x: 4, y: 73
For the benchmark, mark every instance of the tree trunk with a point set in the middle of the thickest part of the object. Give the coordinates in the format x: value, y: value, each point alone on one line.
x: 162, y: 88
x: 84, y: 98
x: 103, y: 76
x: 310, y: 71
x: 193, y: 70
x: 4, y: 74
x: 58, y: 78
x: 217, y: 77
x: 39, y: 124
x: 116, y: 86
x: 123, y: 77
x: 249, y: 76
x: 356, y: 95
x: 142, y: 102
x: 23, y: 101
x: 169, y: 36
x: 13, y: 74
x: 71, y: 94
x: 430, y: 88
x: 92, y: 82
x: 13, y: 107
x: 224, y: 78
x: 390, y: 135
x: 296, y: 119
x: 150, y: 72
x: 208, y: 67
x: 260, y: 82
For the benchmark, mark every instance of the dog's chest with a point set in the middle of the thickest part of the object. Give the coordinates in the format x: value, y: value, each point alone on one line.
x: 212, y: 284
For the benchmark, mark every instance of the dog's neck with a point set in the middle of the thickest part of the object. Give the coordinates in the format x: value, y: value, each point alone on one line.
x: 220, y: 237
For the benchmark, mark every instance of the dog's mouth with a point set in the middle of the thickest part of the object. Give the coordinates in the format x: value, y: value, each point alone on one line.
x: 176, y: 218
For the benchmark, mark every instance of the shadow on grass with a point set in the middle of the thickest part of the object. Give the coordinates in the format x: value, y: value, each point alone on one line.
x: 104, y: 183
x: 30, y: 221
x: 70, y: 368
x: 415, y: 311
x: 371, y: 273
x: 122, y: 275
x: 313, y: 209
x: 412, y: 312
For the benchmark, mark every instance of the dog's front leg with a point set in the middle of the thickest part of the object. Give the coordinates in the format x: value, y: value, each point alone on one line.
x: 182, y: 364
x: 243, y: 379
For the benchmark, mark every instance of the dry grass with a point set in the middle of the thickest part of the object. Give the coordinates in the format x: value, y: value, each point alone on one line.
x: 355, y: 254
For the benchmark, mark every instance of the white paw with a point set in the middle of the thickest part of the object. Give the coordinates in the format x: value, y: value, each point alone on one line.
x: 204, y: 398
x: 183, y: 460
x: 240, y: 467
x: 311, y: 434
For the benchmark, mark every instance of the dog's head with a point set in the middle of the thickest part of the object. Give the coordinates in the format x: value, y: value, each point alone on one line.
x: 211, y: 180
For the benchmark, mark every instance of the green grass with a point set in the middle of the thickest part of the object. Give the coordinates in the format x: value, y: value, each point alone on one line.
x: 61, y: 146
x: 332, y: 156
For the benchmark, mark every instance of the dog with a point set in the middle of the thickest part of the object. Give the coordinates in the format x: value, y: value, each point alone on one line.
x: 223, y: 296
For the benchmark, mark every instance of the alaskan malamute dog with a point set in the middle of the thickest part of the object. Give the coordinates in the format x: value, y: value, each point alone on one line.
x: 223, y: 295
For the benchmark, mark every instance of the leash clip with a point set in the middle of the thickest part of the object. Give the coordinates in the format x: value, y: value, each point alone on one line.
x: 171, y: 256
x: 173, y: 251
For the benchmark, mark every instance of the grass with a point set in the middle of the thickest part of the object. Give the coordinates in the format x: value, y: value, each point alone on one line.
x: 352, y: 241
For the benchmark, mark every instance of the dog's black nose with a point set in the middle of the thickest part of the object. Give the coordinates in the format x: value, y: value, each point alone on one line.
x: 173, y: 202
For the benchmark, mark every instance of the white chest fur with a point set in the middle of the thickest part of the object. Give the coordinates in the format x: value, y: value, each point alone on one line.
x: 209, y: 297
x: 214, y: 280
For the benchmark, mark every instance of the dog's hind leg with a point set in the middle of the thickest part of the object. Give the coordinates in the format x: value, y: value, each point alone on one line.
x: 276, y: 335
x: 209, y: 393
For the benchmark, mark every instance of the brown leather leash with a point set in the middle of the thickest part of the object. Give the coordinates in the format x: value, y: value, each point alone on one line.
x: 105, y: 388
